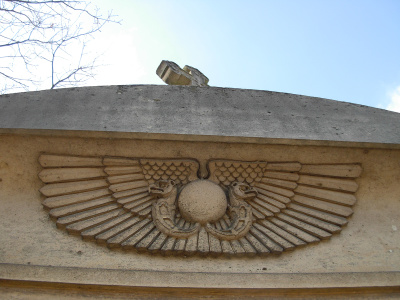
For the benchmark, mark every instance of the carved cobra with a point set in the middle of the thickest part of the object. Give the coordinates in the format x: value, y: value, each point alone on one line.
x: 239, y: 211
x: 163, y: 211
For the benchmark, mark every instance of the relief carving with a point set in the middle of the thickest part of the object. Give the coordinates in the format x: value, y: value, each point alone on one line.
x: 163, y: 206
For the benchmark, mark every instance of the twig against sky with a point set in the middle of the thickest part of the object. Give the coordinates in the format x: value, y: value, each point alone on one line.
x: 46, y: 41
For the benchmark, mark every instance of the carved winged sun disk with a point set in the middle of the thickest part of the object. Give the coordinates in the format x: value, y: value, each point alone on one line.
x: 161, y: 206
x: 163, y: 211
x: 239, y: 211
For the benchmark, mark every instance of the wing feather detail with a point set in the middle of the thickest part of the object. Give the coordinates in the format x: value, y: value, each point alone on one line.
x: 323, y: 206
x: 119, y: 239
x: 130, y: 185
x: 158, y: 243
x: 67, y: 220
x: 282, y: 233
x: 140, y: 234
x: 123, y: 170
x: 69, y: 199
x: 107, y: 200
x: 65, y: 188
x: 339, y: 170
x: 313, y: 221
x: 284, y: 167
x: 345, y: 185
x: 321, y: 215
x: 117, y: 233
x: 125, y: 178
x: 282, y: 175
x: 80, y: 207
x: 70, y: 174
x: 93, y: 233
x: 296, y: 204
x: 77, y: 227
x: 129, y: 179
x: 127, y: 182
x: 265, y: 212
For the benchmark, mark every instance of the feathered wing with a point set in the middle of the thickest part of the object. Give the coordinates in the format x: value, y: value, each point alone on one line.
x: 107, y: 199
x: 296, y: 203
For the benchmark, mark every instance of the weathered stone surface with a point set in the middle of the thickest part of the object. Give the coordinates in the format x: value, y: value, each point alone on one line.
x: 202, y: 201
x: 369, y: 243
x: 307, y: 187
x: 172, y: 74
x: 228, y: 203
x: 243, y: 115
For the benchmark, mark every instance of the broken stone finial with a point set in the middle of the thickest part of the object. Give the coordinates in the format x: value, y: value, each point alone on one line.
x: 172, y: 74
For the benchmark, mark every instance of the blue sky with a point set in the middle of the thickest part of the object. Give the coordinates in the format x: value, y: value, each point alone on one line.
x: 342, y: 50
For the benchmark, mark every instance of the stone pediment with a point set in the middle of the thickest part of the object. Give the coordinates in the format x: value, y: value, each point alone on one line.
x: 175, y: 187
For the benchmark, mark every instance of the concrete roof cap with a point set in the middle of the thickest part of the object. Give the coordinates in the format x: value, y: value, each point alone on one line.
x: 204, y: 111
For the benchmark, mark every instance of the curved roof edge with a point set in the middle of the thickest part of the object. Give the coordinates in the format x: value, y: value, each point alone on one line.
x: 198, y: 111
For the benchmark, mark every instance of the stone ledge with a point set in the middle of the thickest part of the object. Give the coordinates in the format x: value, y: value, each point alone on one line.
x: 140, y: 278
x: 191, y: 138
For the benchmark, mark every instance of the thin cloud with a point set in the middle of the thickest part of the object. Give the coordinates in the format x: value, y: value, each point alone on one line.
x: 394, y: 104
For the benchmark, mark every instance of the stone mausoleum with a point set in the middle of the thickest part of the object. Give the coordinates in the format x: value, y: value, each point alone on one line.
x: 147, y: 191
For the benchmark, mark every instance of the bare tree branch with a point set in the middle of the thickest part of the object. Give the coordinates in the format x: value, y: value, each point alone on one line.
x: 39, y: 33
